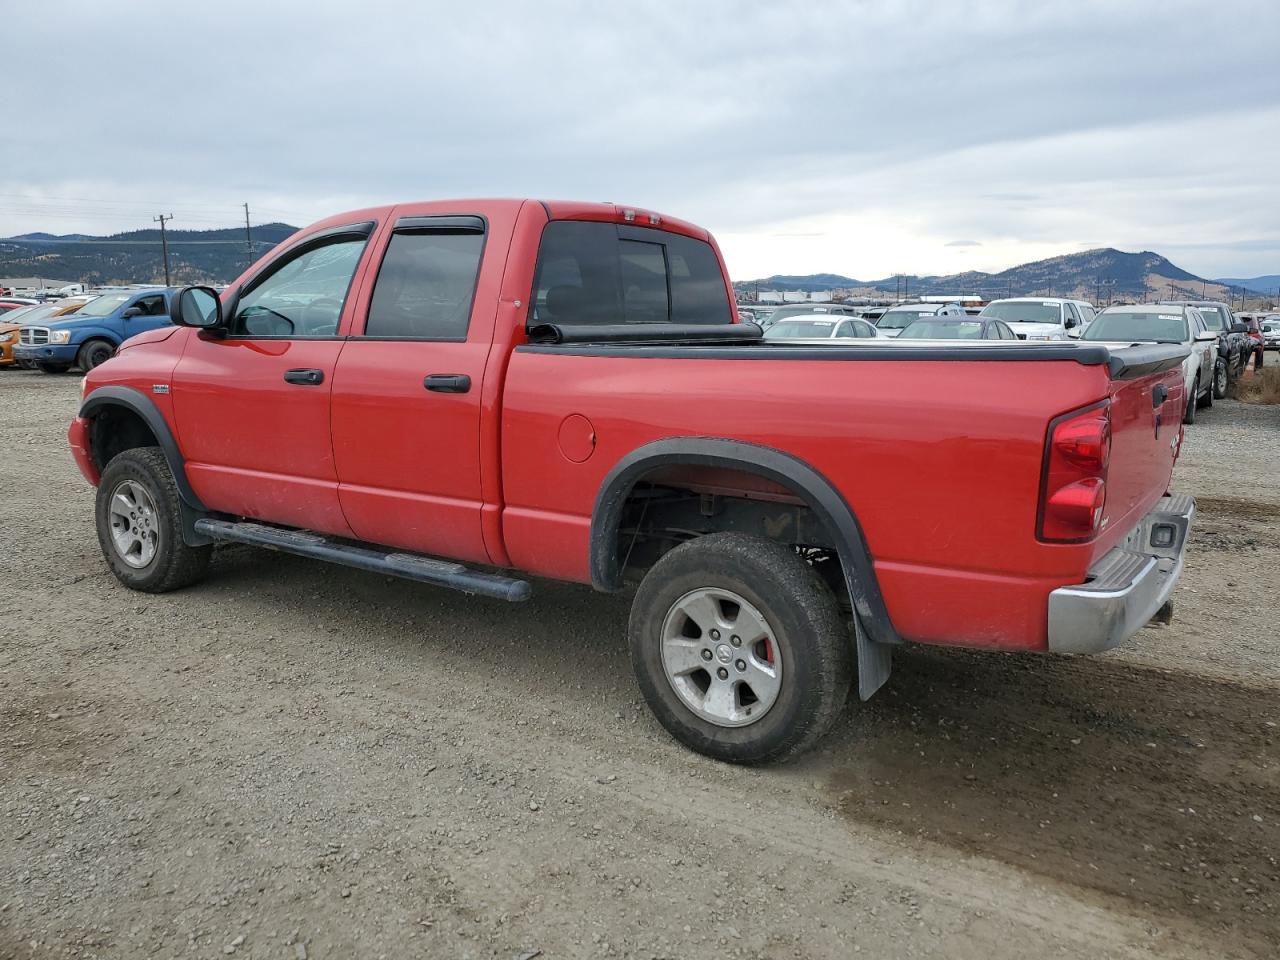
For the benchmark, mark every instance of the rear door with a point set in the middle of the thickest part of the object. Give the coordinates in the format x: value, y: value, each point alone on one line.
x: 407, y: 391
x: 253, y: 407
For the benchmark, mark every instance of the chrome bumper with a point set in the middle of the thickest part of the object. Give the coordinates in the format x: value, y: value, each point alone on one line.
x: 1127, y: 586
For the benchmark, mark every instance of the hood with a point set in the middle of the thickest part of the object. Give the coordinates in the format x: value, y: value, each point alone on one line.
x: 1029, y: 330
x: 889, y: 331
x: 158, y: 335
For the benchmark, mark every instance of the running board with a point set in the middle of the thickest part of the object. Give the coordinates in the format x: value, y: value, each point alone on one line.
x: 303, y: 543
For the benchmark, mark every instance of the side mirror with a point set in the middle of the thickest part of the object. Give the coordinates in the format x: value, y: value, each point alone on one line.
x: 197, y: 307
x: 1207, y: 336
x: 1239, y: 328
x: 132, y: 312
x: 1071, y: 323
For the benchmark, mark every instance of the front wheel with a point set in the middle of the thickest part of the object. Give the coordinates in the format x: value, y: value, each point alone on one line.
x: 139, y: 521
x: 1189, y: 415
x: 53, y: 367
x: 93, y: 354
x: 739, y: 648
x: 1220, y: 379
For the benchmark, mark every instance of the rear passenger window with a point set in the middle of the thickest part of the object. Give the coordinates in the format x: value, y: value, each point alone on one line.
x: 603, y: 273
x: 426, y: 284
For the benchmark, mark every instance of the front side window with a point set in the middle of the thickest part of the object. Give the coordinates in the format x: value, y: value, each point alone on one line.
x: 151, y: 306
x: 426, y: 285
x: 604, y: 273
x: 304, y: 296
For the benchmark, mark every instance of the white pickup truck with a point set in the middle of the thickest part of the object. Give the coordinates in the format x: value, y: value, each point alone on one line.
x: 1041, y: 318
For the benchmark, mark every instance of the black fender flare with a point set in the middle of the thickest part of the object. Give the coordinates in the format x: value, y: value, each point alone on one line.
x: 874, y: 629
x: 139, y: 403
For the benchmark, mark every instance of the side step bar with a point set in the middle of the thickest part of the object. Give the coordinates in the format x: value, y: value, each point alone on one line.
x: 303, y: 543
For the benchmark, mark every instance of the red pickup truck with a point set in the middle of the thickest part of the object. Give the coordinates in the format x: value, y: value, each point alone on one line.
x: 467, y: 393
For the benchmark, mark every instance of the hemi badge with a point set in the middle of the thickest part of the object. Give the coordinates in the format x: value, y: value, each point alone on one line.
x: 159, y: 388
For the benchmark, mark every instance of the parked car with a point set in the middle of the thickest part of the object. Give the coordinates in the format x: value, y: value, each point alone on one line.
x: 1163, y: 323
x: 897, y: 318
x: 11, y: 324
x: 802, y: 310
x: 1037, y: 318
x: 93, y: 334
x: 1234, y: 345
x: 957, y: 328
x: 1253, y: 329
x: 1271, y: 334
x: 9, y: 304
x: 820, y: 328
x: 512, y: 386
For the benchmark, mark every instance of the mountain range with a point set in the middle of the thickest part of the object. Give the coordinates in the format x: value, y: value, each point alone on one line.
x: 1264, y: 284
x: 195, y: 256
x: 218, y: 256
x: 1090, y: 274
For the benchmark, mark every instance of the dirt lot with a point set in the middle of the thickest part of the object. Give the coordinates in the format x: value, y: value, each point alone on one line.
x: 293, y: 760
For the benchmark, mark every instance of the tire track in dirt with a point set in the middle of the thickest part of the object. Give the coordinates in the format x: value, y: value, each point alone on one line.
x: 1160, y: 788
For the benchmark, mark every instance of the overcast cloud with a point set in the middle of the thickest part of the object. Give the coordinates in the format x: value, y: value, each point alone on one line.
x: 856, y: 138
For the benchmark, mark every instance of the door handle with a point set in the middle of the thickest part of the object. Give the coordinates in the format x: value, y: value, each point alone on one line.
x: 1159, y: 394
x: 307, y: 377
x: 447, y: 382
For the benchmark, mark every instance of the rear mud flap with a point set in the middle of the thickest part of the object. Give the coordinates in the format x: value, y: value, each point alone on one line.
x: 875, y: 660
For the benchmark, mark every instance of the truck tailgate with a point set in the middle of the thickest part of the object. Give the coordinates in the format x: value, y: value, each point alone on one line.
x: 1147, y: 399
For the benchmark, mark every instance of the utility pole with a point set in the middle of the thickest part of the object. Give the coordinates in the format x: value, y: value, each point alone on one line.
x: 906, y: 287
x: 164, y: 243
x: 248, y: 237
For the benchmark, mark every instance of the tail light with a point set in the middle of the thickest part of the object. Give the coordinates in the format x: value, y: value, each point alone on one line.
x: 1073, y: 493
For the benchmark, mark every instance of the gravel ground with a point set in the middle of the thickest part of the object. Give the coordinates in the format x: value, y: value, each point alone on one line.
x: 293, y: 760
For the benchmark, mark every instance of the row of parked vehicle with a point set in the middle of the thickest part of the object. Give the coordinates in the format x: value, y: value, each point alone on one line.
x: 1219, y: 343
x: 81, y: 331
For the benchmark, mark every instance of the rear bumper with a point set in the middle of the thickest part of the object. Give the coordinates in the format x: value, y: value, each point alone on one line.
x: 1127, y: 586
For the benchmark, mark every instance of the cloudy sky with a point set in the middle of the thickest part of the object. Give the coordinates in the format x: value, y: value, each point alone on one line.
x: 862, y: 138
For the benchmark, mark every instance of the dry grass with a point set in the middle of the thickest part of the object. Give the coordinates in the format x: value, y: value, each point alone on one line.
x: 1261, y: 386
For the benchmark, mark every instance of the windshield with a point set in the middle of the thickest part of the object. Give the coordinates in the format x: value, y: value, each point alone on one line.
x: 1024, y: 311
x: 36, y: 314
x: 898, y: 319
x: 103, y: 305
x: 943, y: 330
x: 1138, y: 325
x: 785, y: 329
x: 16, y: 315
x: 1213, y: 318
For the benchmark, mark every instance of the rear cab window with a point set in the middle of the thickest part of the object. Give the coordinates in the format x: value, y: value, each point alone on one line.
x: 605, y: 273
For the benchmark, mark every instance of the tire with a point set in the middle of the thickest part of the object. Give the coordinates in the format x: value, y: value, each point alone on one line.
x: 1206, y: 400
x: 1189, y: 414
x: 94, y: 353
x: 1221, y: 379
x: 138, y: 476
x: 803, y: 667
x: 53, y: 367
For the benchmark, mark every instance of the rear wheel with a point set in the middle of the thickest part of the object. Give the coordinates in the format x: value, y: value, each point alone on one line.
x: 739, y: 648
x: 1220, y: 379
x: 139, y: 521
x: 94, y: 353
x: 1189, y: 415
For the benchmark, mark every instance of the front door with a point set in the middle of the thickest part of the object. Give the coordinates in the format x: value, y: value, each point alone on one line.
x: 252, y: 407
x: 407, y: 392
